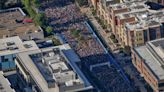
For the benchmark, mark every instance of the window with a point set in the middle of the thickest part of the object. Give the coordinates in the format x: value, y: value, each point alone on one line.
x: 13, y: 58
x: 140, y: 34
x: 161, y: 84
x: 159, y: 1
x: 161, y: 90
x: 2, y: 58
x: 5, y: 60
x: 162, y: 30
x: 145, y: 36
x: 152, y: 32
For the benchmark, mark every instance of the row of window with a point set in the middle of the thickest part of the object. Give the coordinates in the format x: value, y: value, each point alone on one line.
x: 3, y: 59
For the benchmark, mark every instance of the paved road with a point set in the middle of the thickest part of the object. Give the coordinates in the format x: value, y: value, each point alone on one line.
x: 111, y: 60
x: 105, y: 36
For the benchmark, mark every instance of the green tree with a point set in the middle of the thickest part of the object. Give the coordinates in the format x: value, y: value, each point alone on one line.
x: 127, y: 50
x: 49, y: 30
x: 26, y: 3
x: 40, y: 20
x: 31, y: 12
x: 82, y: 2
x: 56, y: 42
x: 112, y: 36
x: 75, y: 33
x: 36, y: 3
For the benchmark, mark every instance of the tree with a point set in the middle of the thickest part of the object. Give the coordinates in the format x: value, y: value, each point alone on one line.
x: 36, y: 3
x: 49, y: 30
x: 112, y: 36
x: 56, y: 42
x: 75, y: 33
x: 82, y: 2
x: 93, y: 11
x: 127, y: 50
x: 40, y: 20
x: 26, y: 3
x: 30, y: 11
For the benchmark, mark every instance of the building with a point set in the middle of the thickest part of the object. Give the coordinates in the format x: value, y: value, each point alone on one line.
x: 5, y: 85
x: 161, y: 2
x: 155, y: 1
x: 107, y: 10
x: 132, y: 22
x: 149, y: 61
x: 13, y: 22
x: 9, y: 47
x: 140, y: 27
x: 53, y: 69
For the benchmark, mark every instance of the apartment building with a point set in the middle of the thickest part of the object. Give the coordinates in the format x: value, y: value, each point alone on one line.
x: 149, y: 61
x: 52, y: 69
x: 11, y: 46
x: 105, y: 13
x: 122, y: 17
x: 107, y: 10
x: 139, y: 27
x: 161, y: 2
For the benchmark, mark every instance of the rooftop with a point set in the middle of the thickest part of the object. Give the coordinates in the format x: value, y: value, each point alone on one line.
x: 144, y: 16
x: 53, y: 66
x: 13, y: 45
x: 153, y: 54
x: 132, y: 5
x: 5, y: 84
x: 12, y: 23
x: 146, y: 19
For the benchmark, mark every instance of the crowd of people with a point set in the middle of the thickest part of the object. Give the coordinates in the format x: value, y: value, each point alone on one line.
x: 87, y: 47
x: 68, y: 17
x: 64, y: 18
x: 110, y: 79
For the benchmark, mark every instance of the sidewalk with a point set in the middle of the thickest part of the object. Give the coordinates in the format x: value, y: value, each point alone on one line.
x: 100, y: 30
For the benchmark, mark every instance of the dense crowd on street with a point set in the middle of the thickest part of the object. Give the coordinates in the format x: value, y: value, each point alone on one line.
x: 110, y: 79
x: 67, y: 16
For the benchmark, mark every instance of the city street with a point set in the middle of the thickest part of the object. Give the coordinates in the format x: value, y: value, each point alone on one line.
x: 127, y: 66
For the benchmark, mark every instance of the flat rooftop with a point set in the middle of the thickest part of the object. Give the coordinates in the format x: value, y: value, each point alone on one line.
x: 153, y: 54
x: 13, y: 45
x: 144, y: 17
x: 110, y: 1
x: 11, y: 23
x: 131, y: 5
x: 52, y: 66
x: 5, y: 84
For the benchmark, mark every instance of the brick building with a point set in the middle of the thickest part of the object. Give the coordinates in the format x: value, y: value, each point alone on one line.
x: 149, y: 61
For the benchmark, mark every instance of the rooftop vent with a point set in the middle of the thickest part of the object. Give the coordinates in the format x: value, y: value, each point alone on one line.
x: 10, y: 43
x: 27, y: 45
